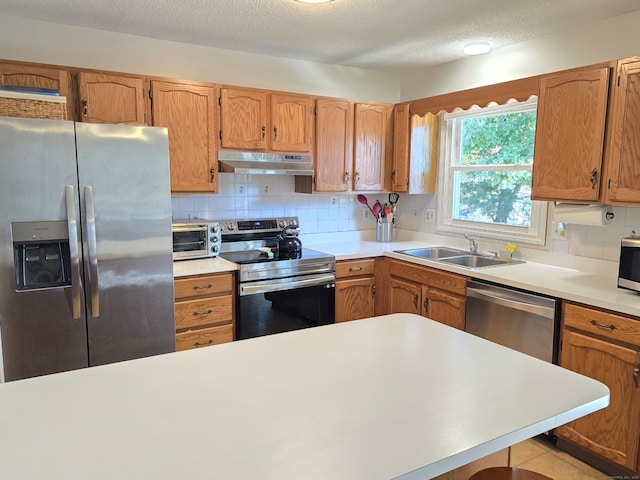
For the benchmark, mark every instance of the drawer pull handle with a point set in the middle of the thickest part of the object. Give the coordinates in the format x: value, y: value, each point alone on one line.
x: 196, y: 287
x: 195, y: 314
x: 602, y: 325
x: 355, y: 269
x: 198, y: 344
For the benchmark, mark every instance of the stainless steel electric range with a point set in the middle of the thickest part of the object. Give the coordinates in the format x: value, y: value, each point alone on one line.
x: 282, y: 286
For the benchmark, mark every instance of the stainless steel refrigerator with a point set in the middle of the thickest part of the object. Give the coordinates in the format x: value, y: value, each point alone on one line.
x: 86, y: 270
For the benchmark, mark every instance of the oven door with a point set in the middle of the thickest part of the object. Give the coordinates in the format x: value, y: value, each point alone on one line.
x: 276, y: 306
x: 189, y: 242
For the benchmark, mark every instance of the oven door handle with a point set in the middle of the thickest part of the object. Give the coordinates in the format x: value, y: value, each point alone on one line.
x: 287, y: 284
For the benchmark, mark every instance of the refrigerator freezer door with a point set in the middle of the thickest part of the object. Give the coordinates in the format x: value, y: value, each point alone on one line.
x: 38, y: 332
x: 123, y: 174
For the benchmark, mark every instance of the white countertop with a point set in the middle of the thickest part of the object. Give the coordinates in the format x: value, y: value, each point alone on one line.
x: 598, y: 290
x: 595, y: 289
x: 202, y: 266
x: 398, y: 396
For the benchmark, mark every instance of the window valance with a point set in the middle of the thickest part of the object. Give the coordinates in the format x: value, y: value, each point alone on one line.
x: 499, y: 93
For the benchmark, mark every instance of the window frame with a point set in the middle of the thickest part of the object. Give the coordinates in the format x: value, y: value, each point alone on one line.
x: 450, y: 126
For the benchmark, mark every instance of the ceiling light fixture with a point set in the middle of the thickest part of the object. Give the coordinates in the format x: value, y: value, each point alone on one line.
x: 476, y: 48
x: 314, y: 1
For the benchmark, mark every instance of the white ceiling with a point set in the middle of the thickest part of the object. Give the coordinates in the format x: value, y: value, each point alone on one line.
x: 375, y: 34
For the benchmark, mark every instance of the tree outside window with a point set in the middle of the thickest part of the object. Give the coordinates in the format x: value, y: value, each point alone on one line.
x: 485, y: 179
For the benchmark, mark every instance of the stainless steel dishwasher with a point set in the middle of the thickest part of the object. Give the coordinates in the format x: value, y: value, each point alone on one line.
x: 519, y: 320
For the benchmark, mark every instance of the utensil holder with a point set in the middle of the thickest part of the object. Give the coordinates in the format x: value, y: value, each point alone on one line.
x: 384, y: 231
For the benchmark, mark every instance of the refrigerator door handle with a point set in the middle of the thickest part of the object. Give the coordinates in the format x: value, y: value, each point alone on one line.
x: 93, y: 251
x: 72, y: 227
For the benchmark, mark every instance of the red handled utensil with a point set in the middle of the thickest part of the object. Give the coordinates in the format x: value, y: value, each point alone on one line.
x: 363, y: 200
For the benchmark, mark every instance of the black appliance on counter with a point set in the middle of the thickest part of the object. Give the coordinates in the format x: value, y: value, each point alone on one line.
x: 281, y: 285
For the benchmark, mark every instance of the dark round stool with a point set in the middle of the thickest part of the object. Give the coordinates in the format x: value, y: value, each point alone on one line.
x: 507, y: 473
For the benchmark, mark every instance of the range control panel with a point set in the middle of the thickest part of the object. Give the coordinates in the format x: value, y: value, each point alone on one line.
x: 258, y: 226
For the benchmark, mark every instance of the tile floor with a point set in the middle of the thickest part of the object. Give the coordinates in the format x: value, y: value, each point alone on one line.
x: 544, y: 458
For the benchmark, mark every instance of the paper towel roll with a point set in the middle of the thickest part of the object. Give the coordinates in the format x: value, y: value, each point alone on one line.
x: 583, y: 214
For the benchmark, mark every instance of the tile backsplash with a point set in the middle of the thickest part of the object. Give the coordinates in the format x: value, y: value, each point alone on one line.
x: 260, y: 196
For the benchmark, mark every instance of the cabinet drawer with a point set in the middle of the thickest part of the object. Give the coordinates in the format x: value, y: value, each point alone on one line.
x: 451, y: 282
x: 206, y: 311
x: 204, y: 337
x: 202, y: 286
x: 605, y: 324
x: 353, y: 268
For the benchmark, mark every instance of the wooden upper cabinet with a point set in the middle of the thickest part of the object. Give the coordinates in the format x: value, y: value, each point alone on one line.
x: 111, y: 98
x: 415, y: 151
x: 570, y: 129
x: 291, y: 126
x: 623, y: 154
x: 401, y: 149
x: 259, y: 120
x: 334, y: 145
x: 32, y: 76
x: 371, y: 132
x: 187, y: 110
x: 243, y: 119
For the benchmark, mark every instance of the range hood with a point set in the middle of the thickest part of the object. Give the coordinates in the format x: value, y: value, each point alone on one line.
x: 265, y: 163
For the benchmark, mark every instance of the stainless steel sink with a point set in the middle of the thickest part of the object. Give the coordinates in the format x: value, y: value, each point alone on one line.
x: 457, y: 257
x: 474, y: 261
x: 432, y: 253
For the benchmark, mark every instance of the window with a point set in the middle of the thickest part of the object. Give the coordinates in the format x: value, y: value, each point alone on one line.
x: 484, y: 185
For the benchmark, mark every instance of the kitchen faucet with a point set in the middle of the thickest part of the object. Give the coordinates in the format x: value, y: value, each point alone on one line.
x: 473, y: 245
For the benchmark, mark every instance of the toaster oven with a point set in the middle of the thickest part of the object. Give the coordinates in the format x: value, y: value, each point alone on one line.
x: 195, y: 239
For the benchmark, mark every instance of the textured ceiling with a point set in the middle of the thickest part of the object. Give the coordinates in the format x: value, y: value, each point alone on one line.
x: 375, y: 34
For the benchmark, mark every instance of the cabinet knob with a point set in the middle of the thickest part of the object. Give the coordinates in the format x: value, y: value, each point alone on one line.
x: 264, y: 131
x: 275, y: 133
x: 636, y: 372
x: 212, y: 174
x: 85, y: 107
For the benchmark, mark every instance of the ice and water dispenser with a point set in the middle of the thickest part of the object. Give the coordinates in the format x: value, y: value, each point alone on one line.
x: 41, y: 254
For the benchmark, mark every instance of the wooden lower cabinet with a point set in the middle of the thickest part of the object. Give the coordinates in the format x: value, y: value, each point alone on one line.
x: 404, y: 296
x: 605, y: 346
x: 429, y: 292
x: 205, y: 310
x: 355, y: 289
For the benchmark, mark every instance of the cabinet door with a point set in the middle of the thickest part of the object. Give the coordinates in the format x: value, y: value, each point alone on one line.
x: 187, y: 112
x: 614, y: 432
x: 291, y: 129
x: 334, y: 145
x: 624, y: 128
x: 18, y: 75
x: 111, y: 98
x: 355, y: 299
x: 444, y: 307
x: 370, y: 144
x: 404, y: 297
x: 243, y: 119
x: 401, y: 142
x: 570, y: 128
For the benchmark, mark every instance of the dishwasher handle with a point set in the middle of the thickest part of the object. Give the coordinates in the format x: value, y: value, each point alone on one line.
x: 494, y: 297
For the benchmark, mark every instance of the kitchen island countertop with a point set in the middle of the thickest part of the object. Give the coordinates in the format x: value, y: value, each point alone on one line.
x: 398, y: 396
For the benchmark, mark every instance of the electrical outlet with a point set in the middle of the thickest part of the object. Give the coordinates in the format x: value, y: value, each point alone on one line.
x: 430, y: 215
